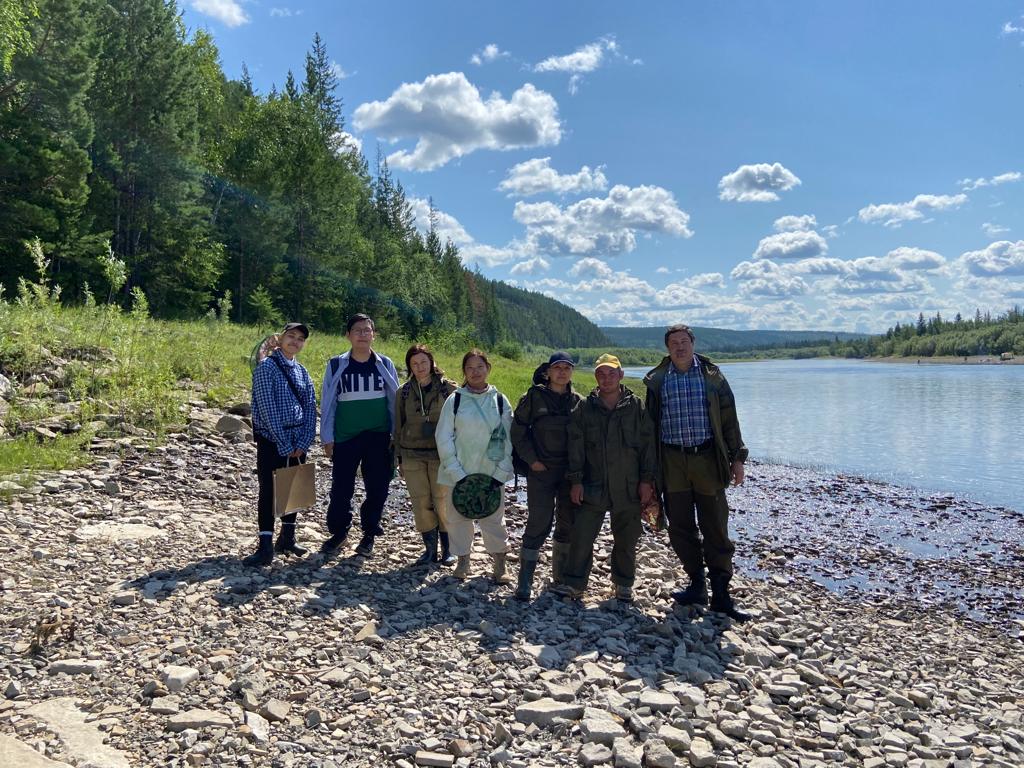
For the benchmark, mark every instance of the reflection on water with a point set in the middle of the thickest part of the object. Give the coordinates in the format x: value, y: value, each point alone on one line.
x: 953, y: 428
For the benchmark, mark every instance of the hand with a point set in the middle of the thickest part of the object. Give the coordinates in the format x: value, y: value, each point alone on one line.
x: 576, y: 493
x: 737, y: 473
x: 296, y: 453
x: 646, y: 491
x: 328, y: 449
x: 538, y: 466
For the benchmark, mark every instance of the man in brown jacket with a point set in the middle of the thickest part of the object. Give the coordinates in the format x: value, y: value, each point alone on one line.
x: 701, y: 451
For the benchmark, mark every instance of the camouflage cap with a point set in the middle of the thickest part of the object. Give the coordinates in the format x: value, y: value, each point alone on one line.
x: 477, y: 496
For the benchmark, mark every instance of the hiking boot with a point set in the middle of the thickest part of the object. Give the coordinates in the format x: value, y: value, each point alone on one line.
x: 527, y: 567
x: 365, y: 546
x: 446, y: 557
x: 429, y: 549
x: 564, y: 590
x: 498, y: 572
x: 264, y: 554
x: 333, y: 544
x: 559, y: 554
x: 695, y: 594
x: 722, y: 602
x: 462, y: 569
x: 624, y: 593
x: 285, y: 543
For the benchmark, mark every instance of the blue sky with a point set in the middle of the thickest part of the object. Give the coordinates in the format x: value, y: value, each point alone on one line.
x: 826, y: 165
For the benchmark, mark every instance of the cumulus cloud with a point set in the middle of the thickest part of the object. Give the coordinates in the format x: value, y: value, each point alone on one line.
x: 992, y: 229
x: 968, y: 185
x: 795, y: 244
x: 895, y: 214
x: 796, y: 223
x: 487, y: 54
x: 706, y: 280
x: 1000, y: 259
x: 590, y: 267
x: 446, y: 225
x: 607, y: 225
x: 1010, y: 28
x: 662, y: 270
x: 680, y: 296
x: 583, y: 60
x: 283, y: 13
x: 348, y: 142
x: 776, y: 286
x: 531, y: 266
x: 449, y: 118
x: 759, y: 183
x: 536, y: 176
x: 228, y: 12
x: 884, y: 283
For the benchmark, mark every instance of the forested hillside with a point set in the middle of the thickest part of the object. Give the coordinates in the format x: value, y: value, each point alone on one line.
x: 721, y: 340
x: 139, y: 166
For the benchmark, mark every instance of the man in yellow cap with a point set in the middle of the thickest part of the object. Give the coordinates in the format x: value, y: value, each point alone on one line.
x: 612, y: 467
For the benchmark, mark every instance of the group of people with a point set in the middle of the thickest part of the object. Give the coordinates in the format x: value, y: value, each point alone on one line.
x: 667, y: 458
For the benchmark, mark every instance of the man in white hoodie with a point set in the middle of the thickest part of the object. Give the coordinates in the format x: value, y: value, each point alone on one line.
x: 355, y: 427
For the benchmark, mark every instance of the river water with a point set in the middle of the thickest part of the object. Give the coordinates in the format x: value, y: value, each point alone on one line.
x: 949, y: 428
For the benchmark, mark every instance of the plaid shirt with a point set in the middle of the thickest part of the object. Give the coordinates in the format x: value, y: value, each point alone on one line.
x: 684, y: 409
x: 276, y: 414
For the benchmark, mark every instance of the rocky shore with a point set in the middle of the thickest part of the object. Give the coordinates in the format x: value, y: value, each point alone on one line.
x: 886, y: 633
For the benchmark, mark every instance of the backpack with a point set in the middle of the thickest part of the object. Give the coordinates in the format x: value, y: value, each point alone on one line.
x: 519, y: 466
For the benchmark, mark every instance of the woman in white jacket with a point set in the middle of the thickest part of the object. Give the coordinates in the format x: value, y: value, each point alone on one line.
x: 473, y: 437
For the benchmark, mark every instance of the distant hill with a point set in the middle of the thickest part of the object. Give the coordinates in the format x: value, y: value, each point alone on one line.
x: 543, y: 321
x: 723, y: 340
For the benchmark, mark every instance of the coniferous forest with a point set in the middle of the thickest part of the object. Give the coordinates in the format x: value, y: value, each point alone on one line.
x: 138, y: 165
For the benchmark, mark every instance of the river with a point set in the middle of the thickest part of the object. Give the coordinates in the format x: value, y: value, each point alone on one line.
x: 946, y: 428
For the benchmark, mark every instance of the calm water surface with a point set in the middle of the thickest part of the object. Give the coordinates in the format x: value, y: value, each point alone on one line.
x: 954, y: 428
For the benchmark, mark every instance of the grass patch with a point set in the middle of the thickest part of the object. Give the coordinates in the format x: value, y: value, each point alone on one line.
x: 26, y: 453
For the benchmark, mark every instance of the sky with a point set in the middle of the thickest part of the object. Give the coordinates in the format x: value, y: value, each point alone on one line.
x: 766, y: 164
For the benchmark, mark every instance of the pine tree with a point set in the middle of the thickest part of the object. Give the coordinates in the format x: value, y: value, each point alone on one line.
x: 319, y: 85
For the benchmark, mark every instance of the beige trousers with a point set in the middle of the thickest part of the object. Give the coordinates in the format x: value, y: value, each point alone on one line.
x: 492, y: 530
x: 429, y: 498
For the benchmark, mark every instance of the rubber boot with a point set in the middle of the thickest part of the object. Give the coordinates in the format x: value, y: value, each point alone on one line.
x: 264, y: 554
x: 527, y: 567
x: 498, y: 572
x: 721, y: 601
x: 462, y: 569
x: 559, y: 554
x: 286, y: 541
x: 695, y: 594
x: 429, y: 548
x: 446, y: 558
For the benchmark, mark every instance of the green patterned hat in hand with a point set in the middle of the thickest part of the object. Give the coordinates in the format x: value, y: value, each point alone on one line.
x: 476, y: 496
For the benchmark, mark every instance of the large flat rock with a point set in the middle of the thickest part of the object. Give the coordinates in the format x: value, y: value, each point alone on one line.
x: 84, y: 741
x: 15, y: 754
x: 544, y: 712
x: 111, y: 531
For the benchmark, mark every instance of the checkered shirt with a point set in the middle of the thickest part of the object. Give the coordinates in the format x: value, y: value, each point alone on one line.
x: 276, y: 414
x: 684, y: 407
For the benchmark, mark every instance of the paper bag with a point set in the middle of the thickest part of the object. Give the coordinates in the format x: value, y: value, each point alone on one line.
x: 294, y: 488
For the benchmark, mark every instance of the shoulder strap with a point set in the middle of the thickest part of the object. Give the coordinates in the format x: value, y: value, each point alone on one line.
x: 291, y: 384
x: 335, y: 364
x: 455, y: 405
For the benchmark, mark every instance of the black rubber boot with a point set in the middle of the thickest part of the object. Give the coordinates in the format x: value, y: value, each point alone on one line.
x: 365, y: 546
x: 527, y: 567
x: 429, y: 549
x: 264, y: 554
x: 559, y: 554
x: 695, y: 594
x: 446, y: 558
x: 286, y: 541
x: 722, y: 602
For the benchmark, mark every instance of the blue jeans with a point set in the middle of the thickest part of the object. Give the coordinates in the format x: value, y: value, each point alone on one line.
x: 371, y: 451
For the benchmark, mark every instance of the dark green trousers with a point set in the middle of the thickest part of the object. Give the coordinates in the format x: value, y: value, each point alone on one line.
x: 547, y: 499
x: 697, y: 512
x: 626, y: 532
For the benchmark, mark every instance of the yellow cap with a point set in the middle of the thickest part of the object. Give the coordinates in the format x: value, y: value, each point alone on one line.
x: 610, y: 360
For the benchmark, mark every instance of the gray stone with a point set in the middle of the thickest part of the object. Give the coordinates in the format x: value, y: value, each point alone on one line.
x: 763, y: 762
x: 544, y: 712
x: 165, y: 705
x: 545, y: 655
x: 14, y: 689
x: 658, y: 755
x: 6, y: 388
x: 228, y: 424
x: 627, y: 755
x: 701, y: 753
x: 111, y: 531
x: 595, y: 754
x: 601, y: 730
x: 424, y: 757
x: 675, y: 738
x: 176, y: 678
x: 658, y: 701
x: 198, y: 718
x: 15, y: 754
x: 83, y: 741
x: 369, y: 630
x: 314, y: 717
x: 76, y: 667
x: 275, y: 710
x: 259, y: 727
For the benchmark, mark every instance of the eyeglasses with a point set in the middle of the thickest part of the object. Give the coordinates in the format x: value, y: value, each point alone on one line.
x: 362, y: 331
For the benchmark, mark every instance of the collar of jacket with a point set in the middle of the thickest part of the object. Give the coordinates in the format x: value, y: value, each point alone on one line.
x: 627, y: 396
x: 656, y: 375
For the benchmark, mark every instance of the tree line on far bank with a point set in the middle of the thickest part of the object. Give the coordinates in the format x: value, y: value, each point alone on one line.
x: 133, y: 163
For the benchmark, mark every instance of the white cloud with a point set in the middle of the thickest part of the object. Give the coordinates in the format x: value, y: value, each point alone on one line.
x: 1009, y: 28
x: 531, y: 266
x: 489, y: 255
x: 449, y: 119
x: 340, y: 73
x: 914, y: 259
x: 348, y: 142
x: 796, y: 223
x: 680, y: 296
x: 776, y: 285
x: 820, y: 266
x: 583, y: 60
x: 228, y: 12
x: 706, y: 280
x: 884, y: 283
x: 969, y: 185
x: 798, y: 244
x: 606, y: 225
x: 447, y: 226
x: 487, y: 54
x: 284, y: 13
x: 536, y: 176
x: 895, y: 214
x: 662, y: 270
x: 994, y: 230
x: 1000, y: 259
x: 757, y: 183
x: 590, y: 267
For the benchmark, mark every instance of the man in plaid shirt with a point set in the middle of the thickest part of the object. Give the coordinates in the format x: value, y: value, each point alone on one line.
x: 701, y: 451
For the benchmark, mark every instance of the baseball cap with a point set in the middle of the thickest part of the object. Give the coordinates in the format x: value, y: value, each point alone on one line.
x: 561, y: 357
x: 296, y: 326
x: 610, y: 360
